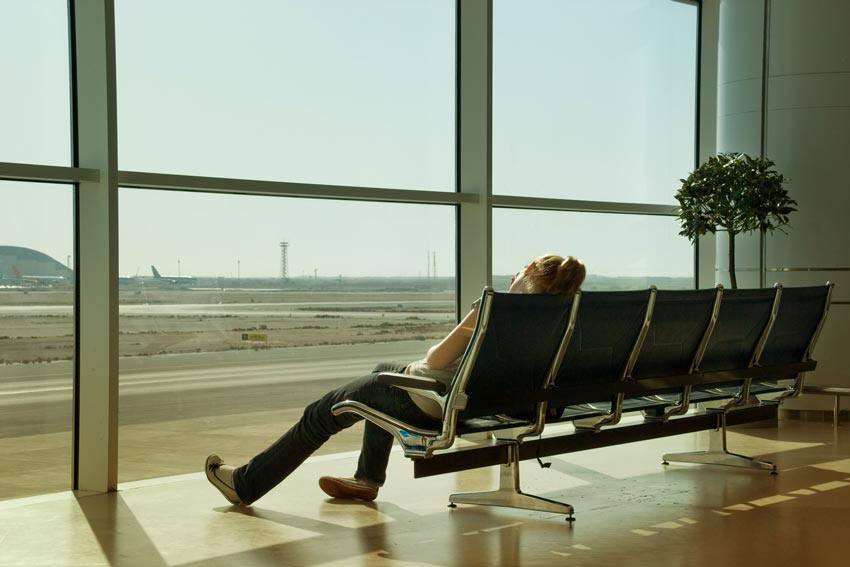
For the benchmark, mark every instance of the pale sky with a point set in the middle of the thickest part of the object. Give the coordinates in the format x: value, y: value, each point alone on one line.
x: 592, y: 100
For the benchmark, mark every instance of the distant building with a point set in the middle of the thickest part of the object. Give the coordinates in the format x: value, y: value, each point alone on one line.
x: 16, y: 262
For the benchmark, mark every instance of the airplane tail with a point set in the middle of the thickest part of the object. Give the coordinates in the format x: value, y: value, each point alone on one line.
x: 16, y: 271
x: 156, y: 274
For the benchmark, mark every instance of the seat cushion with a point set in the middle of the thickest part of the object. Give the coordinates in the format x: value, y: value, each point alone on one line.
x: 726, y: 392
x: 489, y: 423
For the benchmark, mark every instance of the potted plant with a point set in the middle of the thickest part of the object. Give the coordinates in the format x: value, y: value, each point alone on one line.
x: 736, y: 193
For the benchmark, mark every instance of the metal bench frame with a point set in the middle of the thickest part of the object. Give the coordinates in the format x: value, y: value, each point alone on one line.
x: 421, y: 444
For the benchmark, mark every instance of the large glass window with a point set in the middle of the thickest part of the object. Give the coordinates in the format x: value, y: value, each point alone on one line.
x: 35, y: 108
x: 619, y: 251
x: 593, y: 99
x: 237, y: 311
x: 219, y: 352
x: 36, y: 337
x: 332, y: 91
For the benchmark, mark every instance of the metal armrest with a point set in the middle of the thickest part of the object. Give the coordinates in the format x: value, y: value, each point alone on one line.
x: 409, y: 381
x: 415, y: 441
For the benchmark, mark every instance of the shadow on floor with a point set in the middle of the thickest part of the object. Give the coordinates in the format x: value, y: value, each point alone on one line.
x: 118, y: 533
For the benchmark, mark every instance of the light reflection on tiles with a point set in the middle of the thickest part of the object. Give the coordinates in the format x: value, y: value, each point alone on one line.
x: 739, y: 507
x: 842, y: 465
x: 667, y: 525
x: 770, y: 500
x: 830, y: 485
x: 802, y: 492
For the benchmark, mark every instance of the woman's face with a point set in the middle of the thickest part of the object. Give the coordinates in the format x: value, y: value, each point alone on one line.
x: 521, y: 282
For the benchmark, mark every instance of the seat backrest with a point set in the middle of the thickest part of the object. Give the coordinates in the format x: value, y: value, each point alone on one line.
x: 744, y: 314
x: 521, y: 339
x: 679, y: 322
x: 606, y: 330
x: 800, y: 312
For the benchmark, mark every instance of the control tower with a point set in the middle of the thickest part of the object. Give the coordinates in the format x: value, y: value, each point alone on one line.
x: 284, y: 260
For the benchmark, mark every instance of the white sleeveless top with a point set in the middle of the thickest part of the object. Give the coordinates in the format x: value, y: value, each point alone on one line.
x: 431, y: 403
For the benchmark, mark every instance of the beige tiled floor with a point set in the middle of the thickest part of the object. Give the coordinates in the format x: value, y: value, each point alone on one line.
x: 630, y: 510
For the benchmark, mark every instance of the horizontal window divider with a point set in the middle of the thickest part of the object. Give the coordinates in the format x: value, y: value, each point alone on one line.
x: 572, y: 205
x: 46, y: 173
x: 808, y: 269
x: 144, y: 180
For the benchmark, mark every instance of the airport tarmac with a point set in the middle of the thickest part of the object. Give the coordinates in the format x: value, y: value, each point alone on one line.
x: 202, y: 373
x: 434, y: 309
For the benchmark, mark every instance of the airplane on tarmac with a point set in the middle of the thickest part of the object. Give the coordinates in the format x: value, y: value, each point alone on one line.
x: 11, y: 283
x: 39, y: 280
x: 172, y: 279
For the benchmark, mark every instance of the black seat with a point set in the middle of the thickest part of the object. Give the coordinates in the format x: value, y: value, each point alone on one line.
x: 522, y: 336
x: 744, y: 316
x: 679, y: 323
x: 800, y: 312
x: 508, y: 362
x: 607, y: 328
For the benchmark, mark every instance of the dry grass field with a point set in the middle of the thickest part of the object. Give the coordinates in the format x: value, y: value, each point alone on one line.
x: 37, y: 326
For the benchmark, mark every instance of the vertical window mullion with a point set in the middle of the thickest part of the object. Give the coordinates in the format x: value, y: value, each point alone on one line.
x: 96, y: 226
x: 474, y: 124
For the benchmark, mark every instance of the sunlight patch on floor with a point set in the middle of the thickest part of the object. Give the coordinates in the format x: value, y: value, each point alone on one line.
x: 838, y: 466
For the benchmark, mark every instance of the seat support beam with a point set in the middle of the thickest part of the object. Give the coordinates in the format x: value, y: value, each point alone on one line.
x: 460, y: 459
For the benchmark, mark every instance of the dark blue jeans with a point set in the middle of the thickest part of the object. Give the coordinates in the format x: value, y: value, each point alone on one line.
x: 269, y: 468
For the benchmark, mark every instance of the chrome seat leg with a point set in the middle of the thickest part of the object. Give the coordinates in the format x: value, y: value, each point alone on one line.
x: 509, y: 494
x: 718, y: 454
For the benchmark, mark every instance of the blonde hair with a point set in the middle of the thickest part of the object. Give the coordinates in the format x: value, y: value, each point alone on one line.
x: 557, y: 275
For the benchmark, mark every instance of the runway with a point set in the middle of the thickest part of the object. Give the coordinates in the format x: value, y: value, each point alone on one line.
x: 433, y: 309
x: 37, y: 398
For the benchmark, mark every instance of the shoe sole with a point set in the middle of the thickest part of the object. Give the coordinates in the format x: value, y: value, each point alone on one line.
x: 337, y: 489
x: 209, y: 469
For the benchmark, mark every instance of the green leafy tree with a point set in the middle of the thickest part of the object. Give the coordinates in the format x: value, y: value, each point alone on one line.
x: 736, y: 193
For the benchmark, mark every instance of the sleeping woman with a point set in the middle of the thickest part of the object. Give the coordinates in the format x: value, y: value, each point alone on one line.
x: 548, y: 274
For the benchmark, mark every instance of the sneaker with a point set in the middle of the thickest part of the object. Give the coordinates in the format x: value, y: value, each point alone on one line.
x: 221, y: 476
x: 349, y: 488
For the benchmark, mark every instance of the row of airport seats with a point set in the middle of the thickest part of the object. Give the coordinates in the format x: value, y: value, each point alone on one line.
x: 538, y: 360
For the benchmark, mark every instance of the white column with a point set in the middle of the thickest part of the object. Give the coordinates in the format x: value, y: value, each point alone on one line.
x: 739, y: 106
x: 707, y: 127
x: 96, y: 394
x: 474, y: 148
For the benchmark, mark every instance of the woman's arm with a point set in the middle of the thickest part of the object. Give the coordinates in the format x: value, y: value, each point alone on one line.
x: 447, y: 350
